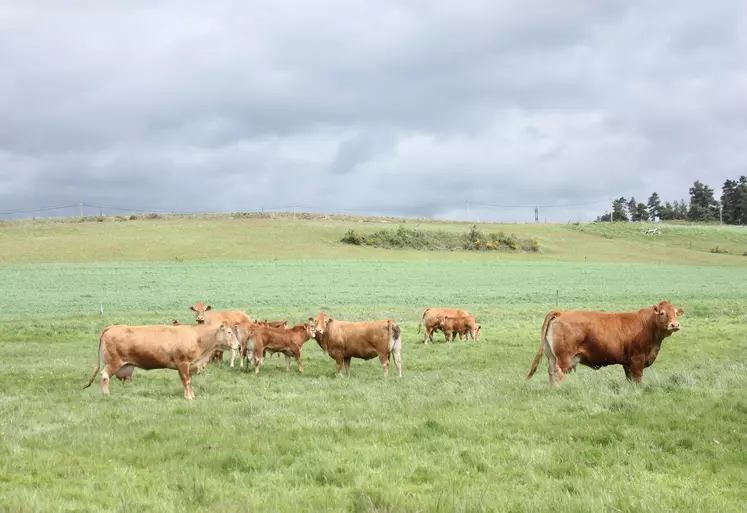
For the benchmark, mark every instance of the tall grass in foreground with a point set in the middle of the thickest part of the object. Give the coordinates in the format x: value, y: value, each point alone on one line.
x: 460, y: 431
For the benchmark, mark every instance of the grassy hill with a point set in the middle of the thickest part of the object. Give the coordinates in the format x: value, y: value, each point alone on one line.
x: 316, y: 236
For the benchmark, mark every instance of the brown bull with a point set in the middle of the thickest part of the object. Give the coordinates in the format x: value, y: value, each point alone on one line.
x: 287, y: 341
x: 599, y: 339
x: 183, y: 348
x: 204, y: 314
x: 344, y: 340
x: 431, y: 318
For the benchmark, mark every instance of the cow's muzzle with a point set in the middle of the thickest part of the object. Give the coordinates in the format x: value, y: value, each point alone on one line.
x: 675, y: 326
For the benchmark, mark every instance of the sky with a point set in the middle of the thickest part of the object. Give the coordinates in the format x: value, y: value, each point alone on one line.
x: 437, y: 108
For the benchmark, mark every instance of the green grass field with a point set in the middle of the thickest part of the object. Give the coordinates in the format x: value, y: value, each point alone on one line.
x: 460, y: 431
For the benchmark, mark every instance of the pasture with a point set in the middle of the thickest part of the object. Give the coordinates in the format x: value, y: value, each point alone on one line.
x: 460, y: 431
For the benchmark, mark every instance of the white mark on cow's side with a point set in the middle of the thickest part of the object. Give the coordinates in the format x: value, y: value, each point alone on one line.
x: 575, y: 360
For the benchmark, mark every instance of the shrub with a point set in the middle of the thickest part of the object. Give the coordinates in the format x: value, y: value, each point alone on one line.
x: 351, y: 237
x: 717, y: 249
x: 440, y: 240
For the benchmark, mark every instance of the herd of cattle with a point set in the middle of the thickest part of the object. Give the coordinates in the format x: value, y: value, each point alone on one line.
x: 591, y: 338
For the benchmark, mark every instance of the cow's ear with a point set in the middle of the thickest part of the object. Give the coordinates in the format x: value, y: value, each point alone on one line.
x: 656, y: 309
x: 208, y: 307
x: 192, y: 308
x: 680, y: 311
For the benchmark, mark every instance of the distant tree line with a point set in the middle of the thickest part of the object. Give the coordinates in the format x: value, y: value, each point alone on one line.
x: 702, y: 207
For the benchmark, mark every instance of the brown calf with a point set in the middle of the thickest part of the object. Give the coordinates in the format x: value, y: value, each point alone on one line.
x: 183, y: 348
x: 287, y: 341
x: 431, y: 318
x: 599, y: 339
x: 465, y: 326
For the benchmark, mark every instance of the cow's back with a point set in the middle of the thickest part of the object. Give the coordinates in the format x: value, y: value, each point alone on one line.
x: 599, y: 337
x: 358, y: 339
x: 149, y: 346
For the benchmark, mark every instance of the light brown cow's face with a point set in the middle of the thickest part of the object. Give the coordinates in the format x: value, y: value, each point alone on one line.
x: 310, y: 329
x: 440, y: 321
x: 199, y: 309
x: 666, y: 316
x: 320, y: 323
x: 227, y: 336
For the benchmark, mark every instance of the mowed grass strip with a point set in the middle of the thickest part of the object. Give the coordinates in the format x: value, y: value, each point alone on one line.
x: 460, y: 431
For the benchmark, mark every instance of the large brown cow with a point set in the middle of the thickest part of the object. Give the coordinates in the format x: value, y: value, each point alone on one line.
x: 599, y: 339
x: 464, y: 326
x: 183, y: 348
x: 205, y: 314
x: 344, y: 340
x: 431, y: 318
x: 288, y: 341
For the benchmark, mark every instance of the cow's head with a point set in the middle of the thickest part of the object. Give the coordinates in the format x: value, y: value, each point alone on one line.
x: 199, y: 309
x: 666, y: 316
x: 319, y: 322
x: 226, y: 336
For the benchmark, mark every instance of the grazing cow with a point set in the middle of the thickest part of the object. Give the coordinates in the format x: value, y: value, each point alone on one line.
x: 599, y: 339
x: 344, y: 340
x: 288, y: 341
x: 181, y: 347
x: 431, y: 318
x: 465, y: 326
x: 205, y: 314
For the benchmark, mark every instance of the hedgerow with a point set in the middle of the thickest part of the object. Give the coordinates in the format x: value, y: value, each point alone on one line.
x: 441, y: 240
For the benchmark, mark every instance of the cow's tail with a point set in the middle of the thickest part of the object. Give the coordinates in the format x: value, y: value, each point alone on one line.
x: 395, y: 342
x: 98, y: 358
x: 422, y: 319
x: 548, y: 319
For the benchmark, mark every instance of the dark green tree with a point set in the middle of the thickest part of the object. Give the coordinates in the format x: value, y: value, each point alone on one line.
x: 618, y: 210
x: 641, y: 212
x: 667, y: 212
x: 729, y: 201
x: 654, y: 207
x: 631, y: 206
x: 703, y: 206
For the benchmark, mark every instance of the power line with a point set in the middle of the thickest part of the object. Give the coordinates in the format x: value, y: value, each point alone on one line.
x: 540, y: 206
x: 32, y: 210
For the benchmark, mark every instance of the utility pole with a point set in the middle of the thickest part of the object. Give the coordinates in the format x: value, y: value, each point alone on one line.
x: 536, y: 214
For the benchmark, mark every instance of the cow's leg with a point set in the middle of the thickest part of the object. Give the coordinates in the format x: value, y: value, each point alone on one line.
x: 183, y: 370
x: 347, y: 366
x: 297, y: 355
x: 559, y: 373
x: 397, y: 353
x: 427, y: 336
x: 338, y: 362
x: 233, y: 356
x: 384, y: 363
x: 636, y: 369
x: 628, y: 373
x: 287, y: 363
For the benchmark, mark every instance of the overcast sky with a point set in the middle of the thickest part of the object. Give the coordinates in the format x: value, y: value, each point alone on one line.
x: 401, y: 107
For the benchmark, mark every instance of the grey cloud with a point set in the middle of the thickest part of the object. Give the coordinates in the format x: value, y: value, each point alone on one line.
x: 393, y: 106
